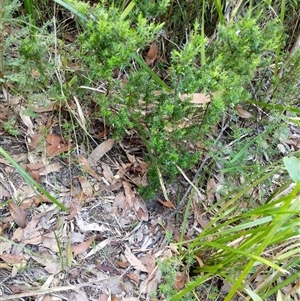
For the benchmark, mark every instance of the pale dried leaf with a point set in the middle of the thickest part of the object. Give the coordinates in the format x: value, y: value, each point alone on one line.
x: 79, y: 296
x: 50, y: 241
x: 211, y: 189
x: 133, y: 260
x: 119, y: 202
x: 100, y: 151
x: 27, y: 121
x: 84, y: 163
x: 81, y: 119
x: 99, y: 247
x: 12, y: 258
x: 17, y: 235
x: 18, y: 215
x: 242, y: 113
x: 51, y: 265
x: 34, y: 239
x: 48, y: 108
x: 48, y: 282
x: 149, y: 287
x: 86, y: 186
x: 103, y: 297
x: 47, y: 298
x: 107, y: 173
x: 34, y: 166
x: 50, y: 168
x: 196, y: 98
x: 130, y: 196
x: 141, y: 209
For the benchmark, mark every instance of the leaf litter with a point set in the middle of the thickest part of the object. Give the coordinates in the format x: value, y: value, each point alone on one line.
x: 106, y: 216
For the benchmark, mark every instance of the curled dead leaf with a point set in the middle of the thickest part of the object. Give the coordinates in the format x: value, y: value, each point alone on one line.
x: 152, y: 54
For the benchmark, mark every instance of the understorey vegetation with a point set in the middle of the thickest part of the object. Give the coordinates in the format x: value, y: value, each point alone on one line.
x: 203, y: 92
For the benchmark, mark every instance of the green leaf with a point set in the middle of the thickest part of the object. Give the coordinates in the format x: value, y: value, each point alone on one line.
x: 292, y: 165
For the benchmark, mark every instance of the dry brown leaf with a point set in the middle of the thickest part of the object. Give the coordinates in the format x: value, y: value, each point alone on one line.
x: 53, y: 150
x: 84, y: 163
x: 100, y: 151
x: 12, y: 258
x: 107, y: 173
x: 130, y: 196
x: 86, y: 186
x: 141, y: 209
x: 133, y: 260
x: 197, y: 98
x: 211, y: 188
x: 123, y: 264
x: 167, y: 203
x: 38, y: 199
x: 18, y: 215
x: 17, y: 289
x: 34, y: 166
x: 149, y: 261
x: 148, y: 287
x: 34, y: 141
x: 152, y: 54
x: 69, y: 37
x: 179, y: 281
x: 55, y: 140
x: 56, y: 145
x: 132, y: 276
x: 200, y: 262
x: 242, y: 113
x: 104, y: 133
x: 50, y: 241
x: 82, y: 247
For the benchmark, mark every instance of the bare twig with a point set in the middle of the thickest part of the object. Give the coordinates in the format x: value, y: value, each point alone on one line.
x: 192, y: 186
